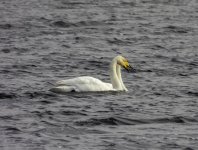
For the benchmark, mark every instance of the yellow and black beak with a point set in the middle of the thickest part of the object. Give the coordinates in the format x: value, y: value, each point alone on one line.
x: 128, y: 68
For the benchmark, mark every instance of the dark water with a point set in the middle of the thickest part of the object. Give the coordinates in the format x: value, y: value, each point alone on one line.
x: 49, y: 40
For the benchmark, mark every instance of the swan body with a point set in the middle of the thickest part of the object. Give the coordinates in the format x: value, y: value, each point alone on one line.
x: 90, y: 84
x: 82, y: 84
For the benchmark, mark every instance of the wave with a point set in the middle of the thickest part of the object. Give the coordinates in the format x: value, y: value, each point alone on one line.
x: 129, y: 121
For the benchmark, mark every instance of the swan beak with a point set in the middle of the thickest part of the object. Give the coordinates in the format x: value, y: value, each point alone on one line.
x: 129, y: 68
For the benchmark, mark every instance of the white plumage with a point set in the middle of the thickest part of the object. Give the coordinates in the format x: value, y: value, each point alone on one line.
x: 90, y: 84
x: 82, y: 84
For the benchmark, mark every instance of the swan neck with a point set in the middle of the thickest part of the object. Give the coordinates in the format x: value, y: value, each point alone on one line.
x: 118, y: 70
x: 114, y: 77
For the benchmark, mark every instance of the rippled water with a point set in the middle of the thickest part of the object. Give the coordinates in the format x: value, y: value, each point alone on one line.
x: 49, y: 40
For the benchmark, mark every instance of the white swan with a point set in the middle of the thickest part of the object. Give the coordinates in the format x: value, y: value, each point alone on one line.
x: 87, y: 83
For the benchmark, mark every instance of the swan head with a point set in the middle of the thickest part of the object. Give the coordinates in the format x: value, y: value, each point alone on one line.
x: 123, y: 62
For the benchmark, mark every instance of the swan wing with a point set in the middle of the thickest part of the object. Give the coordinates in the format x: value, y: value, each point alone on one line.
x: 79, y: 80
x: 82, y: 84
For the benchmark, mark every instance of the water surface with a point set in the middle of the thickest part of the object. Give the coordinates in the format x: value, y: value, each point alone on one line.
x: 45, y: 41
